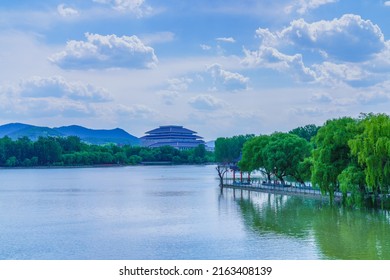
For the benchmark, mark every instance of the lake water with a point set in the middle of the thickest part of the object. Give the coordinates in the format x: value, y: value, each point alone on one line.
x: 172, y: 212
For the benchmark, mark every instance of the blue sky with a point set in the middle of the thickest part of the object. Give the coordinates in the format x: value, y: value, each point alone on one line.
x: 220, y: 68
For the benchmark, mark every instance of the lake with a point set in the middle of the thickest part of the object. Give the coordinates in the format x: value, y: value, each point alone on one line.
x: 173, y: 212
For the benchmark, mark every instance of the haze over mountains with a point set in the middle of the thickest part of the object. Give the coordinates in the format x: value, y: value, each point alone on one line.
x: 92, y: 136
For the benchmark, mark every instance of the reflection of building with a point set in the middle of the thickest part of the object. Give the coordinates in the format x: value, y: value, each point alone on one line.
x: 171, y: 135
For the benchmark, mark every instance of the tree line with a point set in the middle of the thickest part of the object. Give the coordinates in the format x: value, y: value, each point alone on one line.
x: 349, y: 155
x: 71, y: 151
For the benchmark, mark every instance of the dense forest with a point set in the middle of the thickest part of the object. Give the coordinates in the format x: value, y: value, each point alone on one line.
x: 350, y: 155
x: 71, y: 151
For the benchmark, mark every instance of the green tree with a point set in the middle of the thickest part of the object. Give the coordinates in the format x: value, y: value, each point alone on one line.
x: 332, y: 153
x: 254, y: 157
x: 48, y: 150
x: 372, y: 148
x: 227, y: 151
x: 283, y: 154
x: 352, y: 185
x: 306, y: 132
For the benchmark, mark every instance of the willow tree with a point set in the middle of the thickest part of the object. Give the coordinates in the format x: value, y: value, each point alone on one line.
x: 332, y: 154
x: 372, y: 148
x: 253, y: 156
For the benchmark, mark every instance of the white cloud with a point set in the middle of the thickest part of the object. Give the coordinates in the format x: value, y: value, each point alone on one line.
x: 179, y: 84
x: 66, y: 11
x: 269, y: 57
x: 205, y: 47
x: 228, y: 80
x: 137, y: 7
x: 206, y: 103
x: 58, y: 87
x: 110, y: 51
x: 226, y: 39
x: 349, y: 38
x: 321, y: 98
x: 332, y: 73
x: 135, y: 112
x: 346, y: 50
x: 303, y: 6
x: 387, y: 3
x: 174, y: 87
x: 39, y: 97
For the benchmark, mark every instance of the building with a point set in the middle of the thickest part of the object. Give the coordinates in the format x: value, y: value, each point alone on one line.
x: 171, y: 135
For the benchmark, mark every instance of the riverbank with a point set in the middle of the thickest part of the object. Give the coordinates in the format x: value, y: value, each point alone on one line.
x: 101, y: 165
x: 370, y: 201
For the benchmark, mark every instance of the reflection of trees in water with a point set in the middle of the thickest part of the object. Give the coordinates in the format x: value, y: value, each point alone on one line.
x: 338, y: 232
x: 353, y: 234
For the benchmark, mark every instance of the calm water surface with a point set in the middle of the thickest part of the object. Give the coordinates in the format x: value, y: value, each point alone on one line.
x: 172, y: 212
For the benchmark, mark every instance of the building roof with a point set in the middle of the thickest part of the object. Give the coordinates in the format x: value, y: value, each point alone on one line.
x: 172, y: 135
x: 170, y: 129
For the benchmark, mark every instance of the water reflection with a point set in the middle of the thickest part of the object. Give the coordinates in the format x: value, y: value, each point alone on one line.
x: 338, y: 233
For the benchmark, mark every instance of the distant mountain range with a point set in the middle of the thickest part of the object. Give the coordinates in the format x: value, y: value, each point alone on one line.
x: 92, y: 136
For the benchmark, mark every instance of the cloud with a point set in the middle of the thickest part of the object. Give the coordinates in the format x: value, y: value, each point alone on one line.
x: 387, y: 3
x: 58, y: 87
x: 226, y: 39
x: 205, y: 47
x: 344, y: 73
x: 230, y: 81
x: 174, y: 87
x: 303, y: 6
x: 269, y: 57
x: 168, y: 96
x: 349, y: 38
x: 321, y: 98
x: 205, y: 102
x: 137, y: 7
x: 102, y: 52
x: 50, y: 97
x: 66, y: 11
x: 179, y: 84
x: 134, y: 112
x: 346, y: 50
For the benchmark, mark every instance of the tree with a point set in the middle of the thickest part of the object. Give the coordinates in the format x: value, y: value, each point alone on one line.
x: 48, y: 150
x: 253, y: 156
x: 306, y: 132
x: 332, y: 153
x: 352, y: 182
x: 283, y: 154
x: 227, y: 151
x: 372, y: 148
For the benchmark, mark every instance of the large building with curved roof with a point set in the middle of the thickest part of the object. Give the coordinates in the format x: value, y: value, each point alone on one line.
x: 171, y: 135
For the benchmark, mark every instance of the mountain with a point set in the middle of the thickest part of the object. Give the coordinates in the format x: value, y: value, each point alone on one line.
x: 17, y: 130
x: 92, y: 136
x: 99, y: 136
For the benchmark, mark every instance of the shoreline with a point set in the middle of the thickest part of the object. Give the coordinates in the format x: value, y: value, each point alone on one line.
x: 112, y: 165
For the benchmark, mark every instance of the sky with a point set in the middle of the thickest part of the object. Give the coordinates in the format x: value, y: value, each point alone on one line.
x: 220, y: 68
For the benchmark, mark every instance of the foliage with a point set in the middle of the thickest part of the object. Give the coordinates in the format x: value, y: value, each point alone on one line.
x: 280, y: 154
x: 352, y: 185
x: 332, y: 153
x: 71, y: 151
x: 306, y: 132
x: 372, y: 148
x: 228, y: 150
